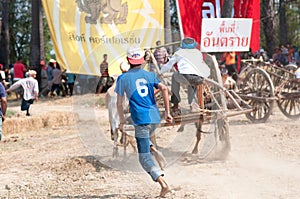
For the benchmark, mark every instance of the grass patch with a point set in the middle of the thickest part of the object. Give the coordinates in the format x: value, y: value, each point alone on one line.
x: 10, y: 113
x: 100, y: 102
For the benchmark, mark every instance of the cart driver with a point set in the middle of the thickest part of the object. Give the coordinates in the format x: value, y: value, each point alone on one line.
x: 191, y: 70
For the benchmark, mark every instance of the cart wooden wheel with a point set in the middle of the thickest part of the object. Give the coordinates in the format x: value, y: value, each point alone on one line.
x: 289, y: 100
x: 258, y: 91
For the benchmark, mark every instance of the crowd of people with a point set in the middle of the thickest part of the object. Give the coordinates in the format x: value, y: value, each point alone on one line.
x: 282, y: 55
x: 53, y: 81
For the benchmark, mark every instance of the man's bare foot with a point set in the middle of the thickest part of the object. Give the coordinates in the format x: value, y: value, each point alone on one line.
x: 164, y: 191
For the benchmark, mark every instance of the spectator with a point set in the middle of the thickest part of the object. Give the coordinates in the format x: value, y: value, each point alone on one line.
x: 7, y: 75
x: 70, y: 81
x: 2, y: 75
x: 104, y: 74
x: 19, y: 71
x: 2, y: 108
x: 51, y: 66
x: 160, y: 54
x: 44, y: 79
x: 31, y: 90
x: 57, y: 78
x: 296, y: 54
x: 275, y: 54
x: 11, y: 73
x: 284, y: 59
x: 263, y: 55
x: 280, y: 58
x: 230, y: 63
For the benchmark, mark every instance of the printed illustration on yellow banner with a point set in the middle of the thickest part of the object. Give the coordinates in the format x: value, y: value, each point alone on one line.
x: 83, y: 31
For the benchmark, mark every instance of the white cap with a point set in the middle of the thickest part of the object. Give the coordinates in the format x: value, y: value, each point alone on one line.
x: 31, y: 72
x: 135, y: 55
x: 52, y: 60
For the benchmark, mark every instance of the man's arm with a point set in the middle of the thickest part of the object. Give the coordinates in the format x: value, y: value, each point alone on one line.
x: 3, y: 107
x: 14, y: 86
x: 165, y: 93
x: 120, y: 111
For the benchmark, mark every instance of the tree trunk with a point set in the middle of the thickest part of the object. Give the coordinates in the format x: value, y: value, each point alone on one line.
x: 269, y: 27
x: 282, y: 23
x: 227, y: 8
x: 167, y: 19
x: 35, y: 40
x: 5, y: 33
x: 42, y: 40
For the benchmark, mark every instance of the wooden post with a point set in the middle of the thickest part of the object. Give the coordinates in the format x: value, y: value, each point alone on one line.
x: 200, y: 96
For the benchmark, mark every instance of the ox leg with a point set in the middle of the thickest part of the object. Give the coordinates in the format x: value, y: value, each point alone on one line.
x: 198, y: 136
x: 199, y: 127
x: 181, y: 128
x: 114, y: 137
x: 124, y: 140
x: 131, y: 141
x: 112, y: 134
x: 153, y: 140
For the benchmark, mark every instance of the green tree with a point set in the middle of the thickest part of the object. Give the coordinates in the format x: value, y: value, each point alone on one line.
x: 17, y: 18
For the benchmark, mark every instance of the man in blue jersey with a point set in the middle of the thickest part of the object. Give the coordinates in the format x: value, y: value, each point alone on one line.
x: 139, y: 85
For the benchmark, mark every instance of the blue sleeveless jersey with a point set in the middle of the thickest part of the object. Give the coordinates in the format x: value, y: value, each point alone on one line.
x: 139, y: 85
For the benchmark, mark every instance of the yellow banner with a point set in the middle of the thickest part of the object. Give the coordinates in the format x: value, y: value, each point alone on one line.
x: 83, y: 30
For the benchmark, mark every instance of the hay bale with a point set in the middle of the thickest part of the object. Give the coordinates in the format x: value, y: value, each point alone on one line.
x: 52, y: 120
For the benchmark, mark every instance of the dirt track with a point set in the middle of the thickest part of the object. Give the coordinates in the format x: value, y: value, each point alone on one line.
x: 56, y: 162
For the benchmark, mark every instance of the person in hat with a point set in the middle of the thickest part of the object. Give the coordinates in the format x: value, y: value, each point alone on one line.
x: 160, y: 54
x: 138, y: 85
x: 50, y: 68
x: 31, y: 90
x: 186, y: 72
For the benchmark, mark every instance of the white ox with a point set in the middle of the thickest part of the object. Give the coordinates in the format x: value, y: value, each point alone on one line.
x: 114, y: 121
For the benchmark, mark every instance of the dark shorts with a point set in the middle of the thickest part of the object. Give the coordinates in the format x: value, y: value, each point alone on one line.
x: 26, y: 104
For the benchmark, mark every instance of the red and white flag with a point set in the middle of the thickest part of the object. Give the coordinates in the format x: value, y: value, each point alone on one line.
x: 191, y: 13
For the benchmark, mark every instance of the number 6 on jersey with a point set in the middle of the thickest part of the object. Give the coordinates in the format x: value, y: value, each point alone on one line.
x: 141, y: 87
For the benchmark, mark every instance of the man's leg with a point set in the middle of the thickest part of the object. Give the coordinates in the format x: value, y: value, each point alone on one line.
x: 71, y: 86
x: 191, y: 94
x: 142, y: 135
x: 177, y: 78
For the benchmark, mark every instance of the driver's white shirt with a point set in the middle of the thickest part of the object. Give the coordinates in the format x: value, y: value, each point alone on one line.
x: 184, y: 67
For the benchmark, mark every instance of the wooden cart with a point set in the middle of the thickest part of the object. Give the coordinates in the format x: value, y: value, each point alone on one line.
x: 262, y: 84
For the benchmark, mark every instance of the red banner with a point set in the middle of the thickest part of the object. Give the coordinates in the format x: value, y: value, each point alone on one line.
x: 191, y: 12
